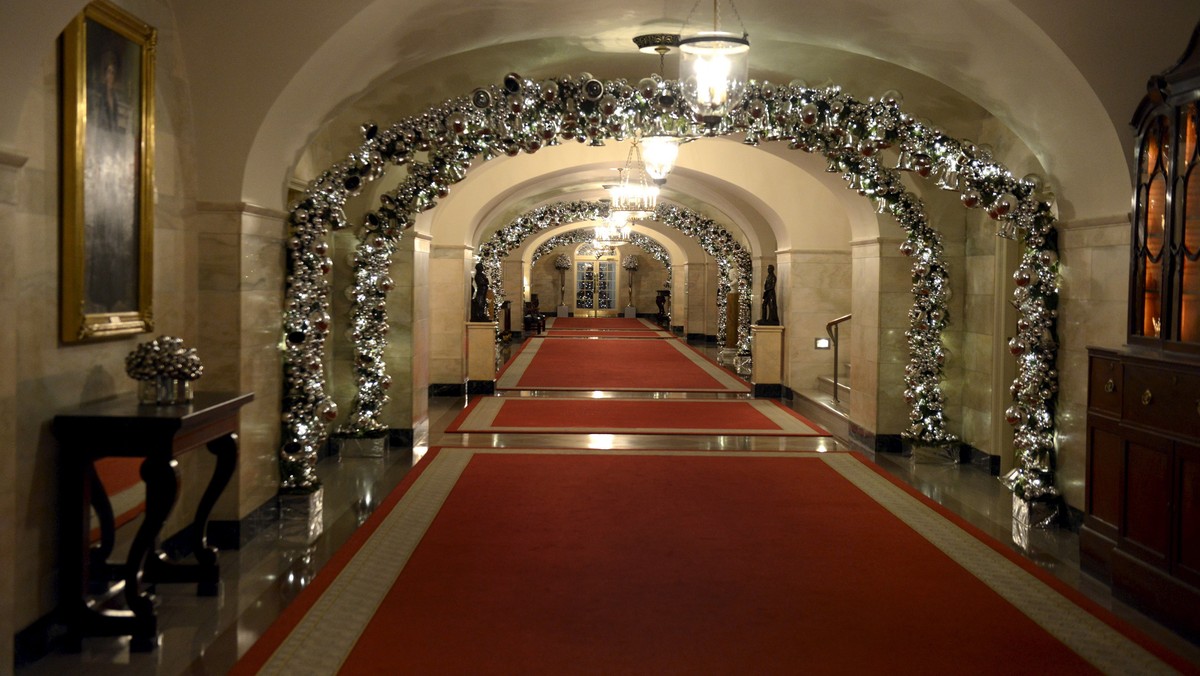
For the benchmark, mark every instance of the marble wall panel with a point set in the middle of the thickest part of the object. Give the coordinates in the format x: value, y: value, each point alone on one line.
x: 10, y: 211
x: 1094, y: 265
x: 449, y: 275
x: 814, y: 289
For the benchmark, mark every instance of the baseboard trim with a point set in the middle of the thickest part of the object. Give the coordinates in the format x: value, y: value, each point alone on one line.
x: 481, y: 387
x: 400, y: 437
x: 37, y: 640
x: 229, y: 534
x: 767, y: 391
x: 985, y: 461
x: 879, y: 443
x: 447, y: 389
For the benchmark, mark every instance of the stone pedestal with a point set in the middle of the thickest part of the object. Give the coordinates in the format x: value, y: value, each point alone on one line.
x: 630, y: 312
x: 481, y: 357
x: 766, y: 371
x: 563, y: 311
x: 360, y: 447
x: 1029, y: 516
x: 933, y: 455
x: 300, y: 517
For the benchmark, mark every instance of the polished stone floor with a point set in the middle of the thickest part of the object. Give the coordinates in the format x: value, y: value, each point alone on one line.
x: 206, y: 635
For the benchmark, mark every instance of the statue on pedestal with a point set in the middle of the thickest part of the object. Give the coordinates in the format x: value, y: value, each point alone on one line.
x: 479, y: 295
x: 770, y: 310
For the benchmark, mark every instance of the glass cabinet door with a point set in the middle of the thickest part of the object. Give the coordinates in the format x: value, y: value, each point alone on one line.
x: 1149, y: 233
x: 1188, y: 247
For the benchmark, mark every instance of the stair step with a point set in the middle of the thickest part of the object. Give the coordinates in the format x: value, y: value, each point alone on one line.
x: 823, y: 410
x: 825, y: 386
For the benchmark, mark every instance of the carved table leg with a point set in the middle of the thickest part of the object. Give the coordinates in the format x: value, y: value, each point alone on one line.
x: 99, y: 571
x: 75, y: 570
x: 226, y: 450
x: 161, y: 476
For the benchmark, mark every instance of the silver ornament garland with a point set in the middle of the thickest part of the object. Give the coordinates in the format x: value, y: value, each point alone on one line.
x: 520, y: 115
x: 651, y: 247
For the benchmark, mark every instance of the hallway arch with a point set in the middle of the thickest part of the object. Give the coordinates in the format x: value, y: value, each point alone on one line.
x: 733, y: 260
x: 523, y: 116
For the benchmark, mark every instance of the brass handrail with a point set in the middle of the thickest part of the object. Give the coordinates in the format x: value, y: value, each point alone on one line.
x: 833, y: 328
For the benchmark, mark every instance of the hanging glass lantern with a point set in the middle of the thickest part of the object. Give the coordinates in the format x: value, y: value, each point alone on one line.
x: 714, y: 67
x: 659, y: 155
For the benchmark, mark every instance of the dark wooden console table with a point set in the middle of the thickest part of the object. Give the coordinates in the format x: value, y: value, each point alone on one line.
x: 121, y: 427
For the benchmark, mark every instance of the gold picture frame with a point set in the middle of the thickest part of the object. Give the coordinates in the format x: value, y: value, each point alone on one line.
x: 107, y: 175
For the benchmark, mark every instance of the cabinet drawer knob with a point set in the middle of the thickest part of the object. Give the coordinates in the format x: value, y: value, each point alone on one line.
x: 1147, y: 398
x: 1110, y: 386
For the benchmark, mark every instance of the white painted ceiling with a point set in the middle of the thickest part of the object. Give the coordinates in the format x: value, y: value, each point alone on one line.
x: 277, y: 85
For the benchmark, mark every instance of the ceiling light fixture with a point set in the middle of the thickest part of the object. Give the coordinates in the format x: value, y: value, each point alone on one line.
x: 660, y: 146
x: 635, y: 194
x: 613, y: 231
x: 714, y: 67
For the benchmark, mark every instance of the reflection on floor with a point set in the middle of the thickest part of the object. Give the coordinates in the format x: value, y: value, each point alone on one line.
x: 206, y: 635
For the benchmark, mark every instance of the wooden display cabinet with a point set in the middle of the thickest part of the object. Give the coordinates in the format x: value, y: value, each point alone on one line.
x: 1141, y: 529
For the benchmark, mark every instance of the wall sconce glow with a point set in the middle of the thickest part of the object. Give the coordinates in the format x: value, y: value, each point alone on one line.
x: 822, y: 343
x: 714, y: 67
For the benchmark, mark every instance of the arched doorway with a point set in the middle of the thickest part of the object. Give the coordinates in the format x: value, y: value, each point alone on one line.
x: 523, y: 116
x: 597, y: 279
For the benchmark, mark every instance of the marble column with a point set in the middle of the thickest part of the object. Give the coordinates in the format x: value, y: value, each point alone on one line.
x: 695, y: 279
x: 241, y: 253
x: 679, y: 299
x: 407, y: 411
x: 1093, y: 255
x: 450, y: 270
x: 10, y: 173
x: 813, y: 288
x: 878, y: 349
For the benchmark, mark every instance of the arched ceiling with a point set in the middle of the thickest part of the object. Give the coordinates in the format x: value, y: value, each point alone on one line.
x: 990, y: 52
x: 767, y: 202
x: 264, y: 78
x: 680, y: 248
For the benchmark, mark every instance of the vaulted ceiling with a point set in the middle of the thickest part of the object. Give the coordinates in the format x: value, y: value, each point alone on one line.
x: 278, y: 87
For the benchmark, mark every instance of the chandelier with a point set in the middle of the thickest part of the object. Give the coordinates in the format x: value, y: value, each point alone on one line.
x: 634, y: 195
x: 714, y: 67
x: 613, y: 231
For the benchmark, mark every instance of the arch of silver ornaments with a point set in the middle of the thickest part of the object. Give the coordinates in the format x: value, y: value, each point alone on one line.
x: 733, y: 261
x: 652, y: 248
x: 522, y: 116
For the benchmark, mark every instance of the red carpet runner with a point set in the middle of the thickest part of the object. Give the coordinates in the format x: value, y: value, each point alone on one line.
x: 599, y: 562
x: 639, y: 416
x: 624, y: 323
x: 626, y: 364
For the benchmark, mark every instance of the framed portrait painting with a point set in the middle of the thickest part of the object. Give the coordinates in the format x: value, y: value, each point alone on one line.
x: 107, y: 175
